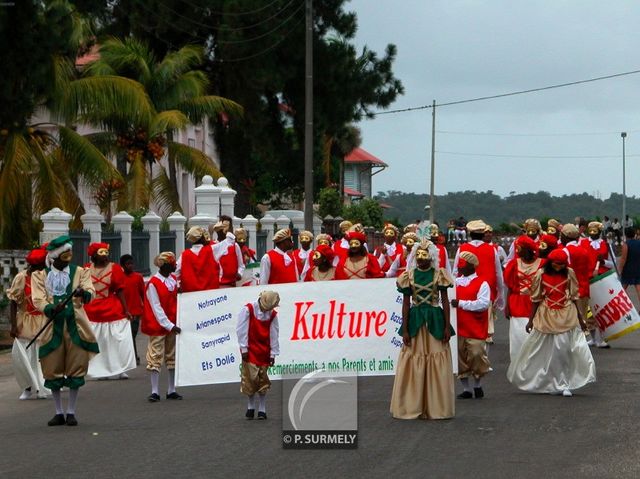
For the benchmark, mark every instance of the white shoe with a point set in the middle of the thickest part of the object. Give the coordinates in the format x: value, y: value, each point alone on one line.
x: 123, y: 376
x: 566, y: 393
x: 26, y: 394
x: 603, y: 345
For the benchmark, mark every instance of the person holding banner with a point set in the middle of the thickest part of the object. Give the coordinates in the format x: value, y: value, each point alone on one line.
x: 197, y: 268
x: 407, y: 259
x: 518, y: 278
x: 322, y: 268
x: 304, y: 254
x: 60, y: 291
x: 423, y: 385
x: 555, y: 358
x: 25, y: 322
x: 109, y: 316
x: 159, y: 323
x: 629, y: 263
x: 277, y: 266
x: 598, y: 247
x: 257, y: 332
x: 473, y: 300
x: 358, y: 263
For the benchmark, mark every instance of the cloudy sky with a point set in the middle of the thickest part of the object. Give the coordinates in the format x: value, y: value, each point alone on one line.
x: 452, y: 50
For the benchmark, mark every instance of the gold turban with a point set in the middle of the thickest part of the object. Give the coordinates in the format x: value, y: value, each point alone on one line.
x: 222, y: 226
x: 411, y: 236
x: 532, y: 224
x: 240, y: 234
x: 268, y: 300
x: 570, y: 231
x: 476, y: 226
x: 196, y: 232
x: 164, y: 257
x: 323, y: 237
x: 595, y: 226
x: 411, y: 228
x: 489, y: 229
x: 345, y: 225
x: 470, y: 258
x: 553, y: 226
x: 306, y: 233
x: 282, y: 235
x: 433, y: 230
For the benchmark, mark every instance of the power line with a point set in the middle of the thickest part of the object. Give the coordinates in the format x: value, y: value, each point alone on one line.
x: 502, y: 95
x: 238, y: 14
x: 467, y: 133
x: 549, y: 157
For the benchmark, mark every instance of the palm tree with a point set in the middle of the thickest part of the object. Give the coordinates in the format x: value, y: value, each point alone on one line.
x: 42, y: 164
x: 177, y: 91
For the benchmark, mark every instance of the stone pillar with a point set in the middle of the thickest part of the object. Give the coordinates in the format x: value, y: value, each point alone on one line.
x: 122, y: 222
x: 92, y: 222
x: 207, y: 200
x: 176, y: 224
x: 151, y: 223
x: 227, y: 197
x: 56, y: 223
x: 317, y: 225
x: 267, y: 222
x: 250, y: 224
x: 282, y: 222
x: 298, y: 224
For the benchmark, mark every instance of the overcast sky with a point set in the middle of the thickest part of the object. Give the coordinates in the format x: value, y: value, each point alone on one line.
x: 452, y: 50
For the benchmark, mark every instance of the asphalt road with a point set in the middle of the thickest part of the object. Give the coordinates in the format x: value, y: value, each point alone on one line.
x: 507, y: 434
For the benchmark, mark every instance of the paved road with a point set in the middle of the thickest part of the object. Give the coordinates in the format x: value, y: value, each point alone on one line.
x: 508, y: 434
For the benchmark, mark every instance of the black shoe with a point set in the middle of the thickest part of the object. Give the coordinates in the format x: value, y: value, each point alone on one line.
x: 174, y: 395
x: 137, y: 361
x: 250, y: 413
x: 154, y: 397
x: 71, y: 420
x: 57, y: 420
x: 479, y: 393
x: 262, y: 415
x: 465, y: 395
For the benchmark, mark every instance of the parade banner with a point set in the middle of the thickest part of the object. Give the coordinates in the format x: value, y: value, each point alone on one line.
x: 338, y: 326
x: 611, y: 306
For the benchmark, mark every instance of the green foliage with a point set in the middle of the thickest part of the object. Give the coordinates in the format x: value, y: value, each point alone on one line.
x: 137, y: 218
x: 366, y: 211
x: 512, y: 209
x: 330, y: 202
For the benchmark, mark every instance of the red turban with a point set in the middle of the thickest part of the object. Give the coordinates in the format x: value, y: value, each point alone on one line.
x: 526, y: 243
x: 558, y: 256
x: 357, y: 235
x: 37, y: 256
x: 550, y: 242
x: 94, y: 247
x: 326, y: 251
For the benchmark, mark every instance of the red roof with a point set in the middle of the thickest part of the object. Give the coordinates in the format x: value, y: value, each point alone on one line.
x: 359, y: 155
x: 352, y: 192
x: 92, y: 55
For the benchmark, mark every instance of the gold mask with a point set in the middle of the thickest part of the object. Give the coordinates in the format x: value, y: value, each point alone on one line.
x: 103, y: 252
x: 66, y: 256
x: 594, y: 231
x: 542, y: 245
x: 410, y: 243
x: 354, y: 243
x: 389, y: 233
x: 422, y: 254
x: 551, y: 230
x: 316, y: 255
x: 305, y: 239
x: 323, y: 242
x: 532, y: 232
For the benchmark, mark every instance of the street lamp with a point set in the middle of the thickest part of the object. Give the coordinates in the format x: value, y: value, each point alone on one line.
x: 624, y: 183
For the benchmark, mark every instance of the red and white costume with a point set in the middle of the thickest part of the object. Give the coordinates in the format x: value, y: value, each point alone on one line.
x: 597, y: 248
x: 488, y: 268
x: 393, y: 251
x: 365, y: 268
x: 110, y: 323
x: 229, y: 257
x: 197, y: 269
x: 278, y: 267
x: 160, y: 307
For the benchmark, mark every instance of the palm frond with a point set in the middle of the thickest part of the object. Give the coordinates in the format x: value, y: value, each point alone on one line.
x: 84, y: 159
x: 97, y: 98
x: 192, y: 160
x: 169, y: 120
x: 105, y: 141
x: 164, y: 194
x: 47, y: 187
x: 198, y: 108
x: 15, y: 168
x: 176, y: 64
x: 129, y: 57
x: 187, y: 86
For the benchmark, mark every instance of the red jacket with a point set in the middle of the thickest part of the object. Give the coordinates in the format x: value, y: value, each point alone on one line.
x: 487, y: 265
x: 259, y: 344
x: 199, y: 272
x: 279, y: 272
x: 583, y: 264
x: 134, y: 293
x: 169, y: 303
x: 472, y: 324
x: 371, y: 269
x: 106, y: 306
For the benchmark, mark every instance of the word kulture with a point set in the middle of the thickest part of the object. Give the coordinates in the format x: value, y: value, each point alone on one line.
x: 207, y: 303
x: 614, y: 310
x: 337, y: 323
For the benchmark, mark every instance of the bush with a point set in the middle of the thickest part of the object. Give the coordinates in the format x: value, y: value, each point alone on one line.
x: 330, y: 203
x: 367, y: 211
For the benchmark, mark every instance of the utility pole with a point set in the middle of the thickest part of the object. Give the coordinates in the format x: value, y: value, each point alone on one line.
x: 433, y: 162
x: 308, y: 119
x: 624, y: 184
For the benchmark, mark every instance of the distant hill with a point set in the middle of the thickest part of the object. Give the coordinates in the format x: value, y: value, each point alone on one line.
x: 408, y: 207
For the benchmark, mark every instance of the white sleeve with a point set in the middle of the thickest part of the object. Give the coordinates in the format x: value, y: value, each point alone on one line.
x: 273, y: 335
x: 480, y: 304
x: 512, y: 253
x: 242, y: 329
x: 240, y: 259
x: 265, y: 269
x: 382, y: 259
x: 178, y: 270
x: 392, y: 272
x: 447, y: 263
x: 455, y: 263
x: 158, y: 312
x: 499, y: 283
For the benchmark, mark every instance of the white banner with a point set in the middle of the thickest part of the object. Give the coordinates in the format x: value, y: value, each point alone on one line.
x: 345, y: 326
x: 615, y: 313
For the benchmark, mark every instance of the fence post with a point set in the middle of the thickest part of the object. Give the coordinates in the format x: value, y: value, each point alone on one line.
x: 267, y: 222
x: 151, y: 223
x: 251, y: 225
x: 176, y: 224
x: 317, y: 225
x: 92, y: 222
x: 56, y: 223
x: 207, y: 201
x: 282, y: 222
x: 122, y: 222
x: 298, y: 224
x: 227, y: 197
